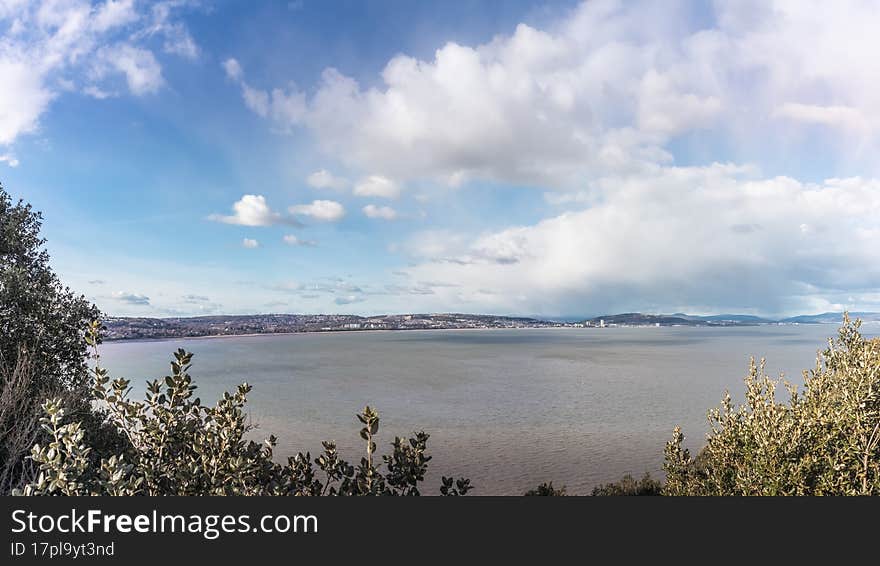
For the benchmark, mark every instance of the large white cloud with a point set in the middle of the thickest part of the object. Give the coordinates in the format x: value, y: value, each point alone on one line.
x: 700, y: 239
x: 601, y: 92
x: 52, y: 46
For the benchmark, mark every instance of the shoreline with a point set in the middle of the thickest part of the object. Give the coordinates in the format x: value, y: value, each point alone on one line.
x: 378, y: 330
x: 340, y: 331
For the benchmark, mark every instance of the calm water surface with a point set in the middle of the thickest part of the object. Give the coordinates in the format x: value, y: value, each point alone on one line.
x: 506, y: 408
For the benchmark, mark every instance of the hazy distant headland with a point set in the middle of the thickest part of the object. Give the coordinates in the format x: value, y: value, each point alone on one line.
x: 128, y: 328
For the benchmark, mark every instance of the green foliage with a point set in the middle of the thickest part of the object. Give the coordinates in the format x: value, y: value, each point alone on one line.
x: 175, y: 445
x: 824, y: 441
x: 455, y: 487
x: 37, y: 312
x: 628, y: 486
x: 546, y: 490
x: 42, y: 347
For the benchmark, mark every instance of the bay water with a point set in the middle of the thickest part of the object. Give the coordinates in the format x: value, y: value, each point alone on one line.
x: 507, y: 408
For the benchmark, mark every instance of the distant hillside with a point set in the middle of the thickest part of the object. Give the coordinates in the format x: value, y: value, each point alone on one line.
x: 641, y: 319
x: 831, y: 318
x: 737, y: 318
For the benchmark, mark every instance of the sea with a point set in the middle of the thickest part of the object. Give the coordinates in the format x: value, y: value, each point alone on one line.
x: 506, y: 408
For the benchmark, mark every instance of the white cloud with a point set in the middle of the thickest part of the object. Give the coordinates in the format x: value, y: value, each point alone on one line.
x: 50, y: 46
x: 323, y: 179
x: 383, y: 212
x: 292, y: 240
x: 604, y: 91
x: 23, y: 99
x: 142, y: 72
x: 377, y: 186
x: 323, y: 210
x: 9, y: 159
x: 252, y: 210
x: 701, y: 238
x: 283, y: 107
x: 177, y: 39
x: 233, y: 69
x: 256, y: 100
x: 250, y: 243
x: 114, y: 13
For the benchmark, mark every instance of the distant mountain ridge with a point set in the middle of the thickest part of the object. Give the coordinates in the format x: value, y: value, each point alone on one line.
x: 682, y: 319
x: 740, y: 318
x: 831, y: 317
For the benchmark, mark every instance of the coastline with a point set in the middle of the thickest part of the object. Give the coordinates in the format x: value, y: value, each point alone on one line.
x: 340, y: 331
x: 390, y: 330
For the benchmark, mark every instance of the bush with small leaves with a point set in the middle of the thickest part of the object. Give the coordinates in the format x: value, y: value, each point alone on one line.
x: 455, y: 487
x: 175, y: 445
x: 628, y: 486
x: 546, y: 489
x: 824, y: 441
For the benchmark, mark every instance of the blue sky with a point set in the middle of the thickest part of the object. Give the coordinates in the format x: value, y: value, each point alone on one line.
x: 539, y: 158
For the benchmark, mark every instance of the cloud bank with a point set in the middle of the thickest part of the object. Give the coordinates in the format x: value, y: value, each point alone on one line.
x: 694, y: 238
x: 601, y: 92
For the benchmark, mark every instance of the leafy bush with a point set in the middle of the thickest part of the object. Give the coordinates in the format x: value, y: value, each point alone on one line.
x: 824, y: 441
x: 630, y: 486
x: 175, y: 445
x: 546, y: 490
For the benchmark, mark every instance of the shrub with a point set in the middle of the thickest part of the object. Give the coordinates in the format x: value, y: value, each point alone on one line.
x: 546, y: 490
x: 824, y: 441
x: 630, y: 486
x: 175, y: 445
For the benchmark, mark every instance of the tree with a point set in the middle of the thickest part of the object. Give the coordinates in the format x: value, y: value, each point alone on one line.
x: 37, y: 312
x: 42, y: 342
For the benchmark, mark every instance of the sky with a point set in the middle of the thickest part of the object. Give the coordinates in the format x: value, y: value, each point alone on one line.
x: 554, y: 159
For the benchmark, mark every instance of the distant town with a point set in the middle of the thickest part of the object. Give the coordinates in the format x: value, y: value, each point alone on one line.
x: 132, y: 328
